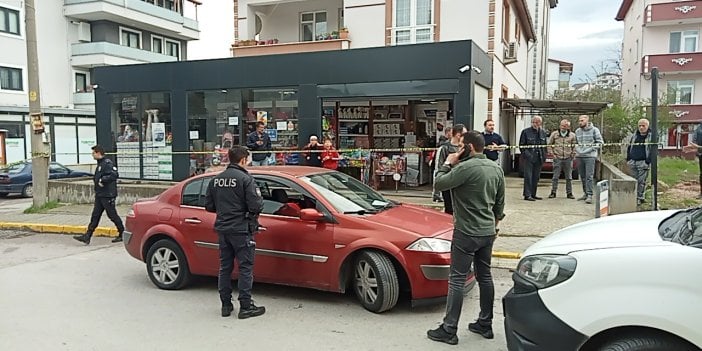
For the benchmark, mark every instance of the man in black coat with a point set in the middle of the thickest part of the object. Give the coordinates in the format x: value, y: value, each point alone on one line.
x: 259, y: 141
x: 533, y: 156
x: 105, y: 181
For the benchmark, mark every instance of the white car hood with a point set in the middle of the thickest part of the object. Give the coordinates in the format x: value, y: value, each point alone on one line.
x: 624, y: 230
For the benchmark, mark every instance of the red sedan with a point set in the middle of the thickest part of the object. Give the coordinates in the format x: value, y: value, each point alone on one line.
x: 324, y: 230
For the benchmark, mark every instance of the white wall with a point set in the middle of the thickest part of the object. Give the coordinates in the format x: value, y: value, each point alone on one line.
x: 56, y: 81
x: 473, y: 23
x: 366, y: 24
x: 217, y: 36
x: 14, y: 54
x: 553, y: 75
x: 631, y: 61
x: 481, y: 107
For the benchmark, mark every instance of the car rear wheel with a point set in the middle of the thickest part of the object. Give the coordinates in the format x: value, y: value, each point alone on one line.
x: 375, y: 281
x: 655, y: 342
x: 28, y: 190
x: 167, y: 265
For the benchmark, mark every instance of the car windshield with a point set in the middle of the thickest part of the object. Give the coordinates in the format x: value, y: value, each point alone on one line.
x: 683, y: 227
x: 13, y: 169
x: 347, y: 194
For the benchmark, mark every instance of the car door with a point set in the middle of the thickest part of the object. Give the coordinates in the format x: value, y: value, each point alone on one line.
x: 290, y: 250
x: 197, y: 225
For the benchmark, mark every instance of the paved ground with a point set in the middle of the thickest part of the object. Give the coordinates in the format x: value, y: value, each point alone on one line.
x: 526, y: 222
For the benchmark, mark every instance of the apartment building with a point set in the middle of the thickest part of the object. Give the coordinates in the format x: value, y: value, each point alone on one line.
x: 558, y: 76
x: 665, y: 34
x: 74, y: 37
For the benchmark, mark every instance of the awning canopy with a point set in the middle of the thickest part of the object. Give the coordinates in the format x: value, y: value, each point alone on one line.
x: 555, y: 107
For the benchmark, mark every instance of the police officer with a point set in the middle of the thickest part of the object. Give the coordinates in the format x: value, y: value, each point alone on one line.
x: 233, y: 195
x: 105, y: 180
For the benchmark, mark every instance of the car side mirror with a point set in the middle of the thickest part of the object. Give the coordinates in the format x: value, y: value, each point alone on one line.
x: 311, y: 215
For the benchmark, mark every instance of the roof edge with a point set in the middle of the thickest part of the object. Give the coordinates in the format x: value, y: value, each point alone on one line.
x: 525, y: 18
x: 623, y: 9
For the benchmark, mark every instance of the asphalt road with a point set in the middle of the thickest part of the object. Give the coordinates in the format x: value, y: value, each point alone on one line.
x: 58, y: 295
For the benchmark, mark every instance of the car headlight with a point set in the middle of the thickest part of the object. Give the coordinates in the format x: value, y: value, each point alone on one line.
x: 431, y: 245
x: 546, y: 270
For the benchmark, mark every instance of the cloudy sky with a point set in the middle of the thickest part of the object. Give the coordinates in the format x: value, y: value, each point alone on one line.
x: 585, y: 33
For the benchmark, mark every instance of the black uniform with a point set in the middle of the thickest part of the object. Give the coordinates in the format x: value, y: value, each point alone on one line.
x: 105, y: 180
x: 533, y: 157
x: 233, y: 195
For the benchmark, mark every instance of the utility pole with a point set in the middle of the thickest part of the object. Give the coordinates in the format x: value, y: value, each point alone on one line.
x: 40, y: 155
x: 654, y: 138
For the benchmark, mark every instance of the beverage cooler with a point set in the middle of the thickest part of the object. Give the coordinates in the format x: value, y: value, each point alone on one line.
x: 418, y: 170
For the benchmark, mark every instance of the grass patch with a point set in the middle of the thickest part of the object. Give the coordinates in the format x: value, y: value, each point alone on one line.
x: 47, y: 206
x: 674, y: 170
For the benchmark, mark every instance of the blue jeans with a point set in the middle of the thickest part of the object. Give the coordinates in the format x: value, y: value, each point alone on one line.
x: 466, y: 249
x: 586, y: 170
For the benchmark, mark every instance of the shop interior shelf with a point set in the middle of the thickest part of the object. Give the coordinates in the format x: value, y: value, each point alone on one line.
x: 353, y: 135
x: 388, y: 120
x: 354, y: 120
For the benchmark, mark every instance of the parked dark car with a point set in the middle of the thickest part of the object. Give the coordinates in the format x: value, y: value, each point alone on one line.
x: 17, y: 178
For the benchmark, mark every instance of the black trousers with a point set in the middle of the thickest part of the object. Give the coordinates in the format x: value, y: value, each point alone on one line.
x: 104, y: 204
x: 532, y: 173
x: 448, y: 205
x: 242, y: 248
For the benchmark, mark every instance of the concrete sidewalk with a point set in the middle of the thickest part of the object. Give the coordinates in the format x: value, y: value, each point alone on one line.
x: 526, y: 222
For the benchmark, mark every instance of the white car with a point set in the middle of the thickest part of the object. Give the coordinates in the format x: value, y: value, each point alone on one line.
x: 620, y: 283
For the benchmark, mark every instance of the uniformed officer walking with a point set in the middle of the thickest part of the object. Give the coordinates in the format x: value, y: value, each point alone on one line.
x: 233, y: 195
x: 105, y: 180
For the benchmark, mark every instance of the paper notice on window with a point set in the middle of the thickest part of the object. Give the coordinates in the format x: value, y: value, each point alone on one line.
x: 194, y: 134
x: 233, y: 121
x: 158, y: 134
x: 281, y: 125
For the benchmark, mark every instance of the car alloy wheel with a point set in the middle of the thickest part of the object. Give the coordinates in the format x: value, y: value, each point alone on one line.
x: 28, y: 190
x: 167, y: 265
x: 375, y: 281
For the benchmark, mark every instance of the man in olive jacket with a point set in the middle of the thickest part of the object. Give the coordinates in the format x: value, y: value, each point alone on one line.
x: 561, y: 145
x: 478, y: 193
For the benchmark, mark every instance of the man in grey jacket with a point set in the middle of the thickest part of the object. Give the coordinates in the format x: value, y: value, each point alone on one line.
x: 589, y: 142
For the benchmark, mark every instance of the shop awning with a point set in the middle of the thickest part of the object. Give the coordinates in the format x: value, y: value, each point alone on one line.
x: 558, y: 107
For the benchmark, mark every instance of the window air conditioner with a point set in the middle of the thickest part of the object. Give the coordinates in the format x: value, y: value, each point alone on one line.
x: 511, y: 51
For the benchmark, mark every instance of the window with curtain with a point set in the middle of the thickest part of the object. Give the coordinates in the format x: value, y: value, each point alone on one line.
x: 413, y: 21
x: 685, y: 41
x: 9, y: 21
x: 680, y: 92
x: 10, y: 78
x: 313, y: 25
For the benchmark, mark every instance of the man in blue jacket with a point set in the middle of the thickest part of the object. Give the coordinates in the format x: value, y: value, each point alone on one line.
x: 259, y: 141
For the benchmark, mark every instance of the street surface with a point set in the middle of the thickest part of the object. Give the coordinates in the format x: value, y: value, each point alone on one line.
x: 56, y: 294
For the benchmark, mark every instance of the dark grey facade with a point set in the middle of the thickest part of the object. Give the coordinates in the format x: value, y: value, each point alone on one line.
x: 108, y: 31
x: 399, y: 71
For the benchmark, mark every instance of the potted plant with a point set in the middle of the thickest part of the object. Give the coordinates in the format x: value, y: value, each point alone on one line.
x: 335, y: 35
x: 343, y: 33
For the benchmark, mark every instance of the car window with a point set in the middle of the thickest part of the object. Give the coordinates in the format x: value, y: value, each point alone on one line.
x: 282, y: 200
x: 347, y: 194
x: 13, y: 169
x: 683, y: 227
x: 192, y: 192
x: 57, y: 168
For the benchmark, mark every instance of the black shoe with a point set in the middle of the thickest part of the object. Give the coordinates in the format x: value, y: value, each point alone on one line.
x: 440, y: 334
x: 82, y: 238
x: 251, y: 311
x: 529, y: 198
x: 485, y: 332
x: 570, y: 196
x: 552, y: 196
x: 227, y: 310
x: 117, y: 239
x: 537, y: 198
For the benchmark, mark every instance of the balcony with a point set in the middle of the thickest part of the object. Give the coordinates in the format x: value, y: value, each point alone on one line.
x: 88, y: 55
x: 286, y: 48
x: 84, y: 100
x: 685, y: 113
x: 673, y: 13
x: 139, y: 14
x: 690, y: 62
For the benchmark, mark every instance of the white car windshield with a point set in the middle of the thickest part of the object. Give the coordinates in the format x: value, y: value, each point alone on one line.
x: 347, y: 194
x: 683, y: 227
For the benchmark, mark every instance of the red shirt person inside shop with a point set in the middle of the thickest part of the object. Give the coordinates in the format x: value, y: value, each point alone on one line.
x: 330, y: 157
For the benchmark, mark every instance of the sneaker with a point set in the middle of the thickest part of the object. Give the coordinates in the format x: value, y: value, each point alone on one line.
x: 552, y: 196
x: 570, y: 196
x: 583, y: 198
x: 251, y: 311
x: 440, y: 334
x: 485, y: 332
x: 588, y: 200
x: 82, y: 238
x: 117, y: 239
x: 227, y: 310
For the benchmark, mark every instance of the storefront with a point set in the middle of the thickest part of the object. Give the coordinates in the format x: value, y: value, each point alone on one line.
x: 169, y: 120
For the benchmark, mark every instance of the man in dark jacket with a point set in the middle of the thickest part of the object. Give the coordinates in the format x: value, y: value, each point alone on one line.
x: 233, y: 195
x: 105, y: 180
x: 446, y: 149
x: 533, y: 156
x: 259, y: 140
x: 313, y: 154
x: 638, y: 157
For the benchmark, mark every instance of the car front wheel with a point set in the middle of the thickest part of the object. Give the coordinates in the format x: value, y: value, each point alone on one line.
x: 167, y: 265
x: 654, y: 342
x: 375, y: 281
x: 28, y: 191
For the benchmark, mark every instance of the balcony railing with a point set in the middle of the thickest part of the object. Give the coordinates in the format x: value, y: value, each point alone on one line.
x: 102, y: 53
x: 678, y: 12
x: 253, y: 48
x: 690, y: 62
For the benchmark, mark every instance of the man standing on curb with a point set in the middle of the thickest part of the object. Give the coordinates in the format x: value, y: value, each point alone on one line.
x: 561, y: 145
x: 589, y: 141
x: 478, y: 190
x: 233, y: 195
x: 105, y: 180
x: 638, y: 157
x: 534, y: 155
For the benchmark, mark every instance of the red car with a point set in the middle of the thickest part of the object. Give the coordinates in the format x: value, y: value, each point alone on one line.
x: 324, y: 230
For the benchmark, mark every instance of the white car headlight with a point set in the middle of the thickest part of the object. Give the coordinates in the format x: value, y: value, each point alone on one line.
x: 546, y: 270
x: 431, y: 245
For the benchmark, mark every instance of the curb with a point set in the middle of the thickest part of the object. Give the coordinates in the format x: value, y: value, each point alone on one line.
x: 57, y: 228
x: 507, y: 254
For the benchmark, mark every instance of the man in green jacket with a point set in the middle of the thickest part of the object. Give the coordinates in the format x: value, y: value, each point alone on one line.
x: 477, y: 188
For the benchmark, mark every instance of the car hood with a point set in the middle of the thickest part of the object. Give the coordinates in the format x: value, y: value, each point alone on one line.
x: 415, y: 219
x: 624, y: 230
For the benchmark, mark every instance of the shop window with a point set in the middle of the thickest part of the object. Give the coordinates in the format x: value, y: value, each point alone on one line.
x: 214, y: 126
x: 313, y: 26
x: 141, y: 125
x: 13, y: 130
x: 9, y: 21
x: 277, y: 109
x: 413, y: 21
